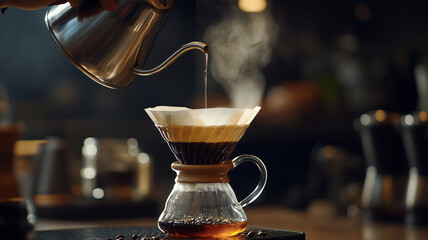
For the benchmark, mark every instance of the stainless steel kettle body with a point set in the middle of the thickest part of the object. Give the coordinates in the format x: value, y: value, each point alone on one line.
x: 111, y: 47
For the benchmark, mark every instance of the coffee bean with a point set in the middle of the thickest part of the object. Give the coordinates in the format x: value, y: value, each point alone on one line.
x: 251, y: 234
x: 135, y: 237
x: 262, y: 233
x: 155, y: 237
x: 145, y: 238
x: 120, y: 237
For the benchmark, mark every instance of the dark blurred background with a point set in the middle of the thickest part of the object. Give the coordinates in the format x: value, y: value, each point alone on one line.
x: 313, y: 66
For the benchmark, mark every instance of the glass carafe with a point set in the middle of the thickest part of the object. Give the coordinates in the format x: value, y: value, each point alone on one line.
x: 203, y: 204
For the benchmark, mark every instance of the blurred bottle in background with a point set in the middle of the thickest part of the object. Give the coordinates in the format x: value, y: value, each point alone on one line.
x: 414, y: 131
x: 5, y: 106
x: 16, y: 213
x: 386, y: 176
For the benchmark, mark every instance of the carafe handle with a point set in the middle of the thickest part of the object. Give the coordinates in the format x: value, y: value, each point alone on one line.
x: 263, y: 176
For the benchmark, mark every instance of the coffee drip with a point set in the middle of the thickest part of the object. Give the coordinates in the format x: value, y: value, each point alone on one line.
x: 206, y: 80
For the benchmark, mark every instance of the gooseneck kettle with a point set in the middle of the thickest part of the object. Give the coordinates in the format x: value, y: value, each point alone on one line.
x: 111, y: 47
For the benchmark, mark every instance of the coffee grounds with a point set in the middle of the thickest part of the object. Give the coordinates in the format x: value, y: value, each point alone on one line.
x: 246, y: 234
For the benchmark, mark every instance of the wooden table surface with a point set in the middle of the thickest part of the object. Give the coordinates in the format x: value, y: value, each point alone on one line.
x: 317, y: 225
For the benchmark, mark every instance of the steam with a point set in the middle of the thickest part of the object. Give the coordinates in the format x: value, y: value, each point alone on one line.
x: 240, y: 46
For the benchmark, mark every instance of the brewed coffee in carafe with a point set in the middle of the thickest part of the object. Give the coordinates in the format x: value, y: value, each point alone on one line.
x: 202, y: 203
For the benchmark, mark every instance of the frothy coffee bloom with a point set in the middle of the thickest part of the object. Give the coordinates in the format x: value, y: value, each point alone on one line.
x: 211, y: 134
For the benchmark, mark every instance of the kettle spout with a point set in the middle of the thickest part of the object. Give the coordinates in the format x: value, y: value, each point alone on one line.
x: 186, y: 47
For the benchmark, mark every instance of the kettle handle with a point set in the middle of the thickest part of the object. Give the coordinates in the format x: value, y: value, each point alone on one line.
x: 186, y: 47
x: 263, y: 177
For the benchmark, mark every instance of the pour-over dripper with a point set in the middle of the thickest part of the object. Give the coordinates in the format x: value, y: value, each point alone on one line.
x: 202, y: 136
x: 202, y: 203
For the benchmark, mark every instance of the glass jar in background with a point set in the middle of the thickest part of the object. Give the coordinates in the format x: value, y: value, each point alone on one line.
x: 115, y: 169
